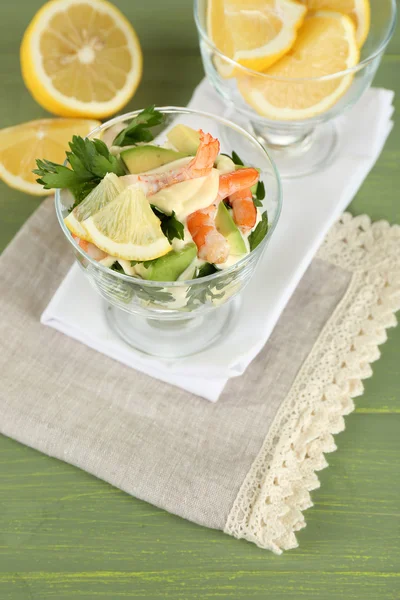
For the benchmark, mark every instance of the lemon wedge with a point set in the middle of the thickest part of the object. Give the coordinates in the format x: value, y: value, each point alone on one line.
x: 81, y: 58
x: 254, y: 34
x: 326, y: 44
x: 108, y: 189
x: 127, y: 228
x: 22, y: 144
x: 358, y: 10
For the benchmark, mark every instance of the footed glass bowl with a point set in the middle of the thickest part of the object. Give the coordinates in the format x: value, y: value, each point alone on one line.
x: 304, y: 145
x: 178, y: 318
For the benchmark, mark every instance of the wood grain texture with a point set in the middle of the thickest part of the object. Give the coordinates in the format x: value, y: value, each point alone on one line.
x: 65, y: 534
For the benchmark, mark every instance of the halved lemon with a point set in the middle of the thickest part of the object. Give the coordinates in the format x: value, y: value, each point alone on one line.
x: 127, y: 228
x: 81, y: 58
x: 257, y: 33
x: 326, y: 44
x: 22, y: 144
x: 108, y: 189
x: 358, y: 10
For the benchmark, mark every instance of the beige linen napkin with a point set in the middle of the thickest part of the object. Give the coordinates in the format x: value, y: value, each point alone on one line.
x: 244, y: 465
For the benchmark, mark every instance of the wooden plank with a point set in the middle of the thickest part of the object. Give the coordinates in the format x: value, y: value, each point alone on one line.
x: 65, y: 533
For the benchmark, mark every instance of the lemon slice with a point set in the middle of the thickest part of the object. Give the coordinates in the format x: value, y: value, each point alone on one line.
x: 127, y: 228
x: 257, y: 33
x: 22, y: 144
x: 81, y: 58
x: 108, y: 189
x: 326, y: 44
x: 358, y: 10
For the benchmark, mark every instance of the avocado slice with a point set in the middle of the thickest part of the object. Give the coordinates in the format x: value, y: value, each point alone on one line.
x: 169, y: 266
x: 184, y: 139
x: 224, y: 164
x: 144, y: 158
x: 227, y: 226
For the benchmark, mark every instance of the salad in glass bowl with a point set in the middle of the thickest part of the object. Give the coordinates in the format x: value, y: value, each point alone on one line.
x: 166, y: 226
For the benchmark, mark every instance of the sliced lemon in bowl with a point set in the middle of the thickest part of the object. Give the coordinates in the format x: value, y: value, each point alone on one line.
x: 81, y: 58
x: 106, y: 191
x: 254, y: 34
x: 358, y: 10
x: 326, y: 45
x: 127, y: 228
x: 22, y: 144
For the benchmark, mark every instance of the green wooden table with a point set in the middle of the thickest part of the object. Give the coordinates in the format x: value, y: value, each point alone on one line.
x: 65, y: 534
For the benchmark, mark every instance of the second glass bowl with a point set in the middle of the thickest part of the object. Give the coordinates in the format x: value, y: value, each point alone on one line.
x: 179, y: 318
x: 297, y: 146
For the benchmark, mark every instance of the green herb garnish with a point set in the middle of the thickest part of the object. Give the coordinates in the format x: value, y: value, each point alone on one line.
x: 157, y: 295
x: 170, y: 226
x: 204, y: 270
x: 236, y: 159
x: 259, y: 195
x: 138, y: 129
x: 260, y: 192
x: 90, y: 161
x: 256, y: 236
x: 117, y: 267
x: 201, y: 294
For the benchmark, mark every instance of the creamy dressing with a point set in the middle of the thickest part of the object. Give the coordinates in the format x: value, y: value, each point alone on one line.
x: 224, y: 164
x: 189, y: 196
x: 189, y: 272
x: 230, y: 261
x: 108, y: 261
x: 186, y: 197
x: 179, y: 244
x: 127, y: 267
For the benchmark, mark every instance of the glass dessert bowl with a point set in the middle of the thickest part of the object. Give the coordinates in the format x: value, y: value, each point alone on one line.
x: 180, y: 317
x: 293, y: 116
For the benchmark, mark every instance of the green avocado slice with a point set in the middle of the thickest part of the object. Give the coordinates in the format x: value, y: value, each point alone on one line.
x: 184, y: 138
x: 227, y: 226
x: 169, y: 266
x: 144, y: 158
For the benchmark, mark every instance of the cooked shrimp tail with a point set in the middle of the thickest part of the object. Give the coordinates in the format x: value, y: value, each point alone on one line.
x: 90, y: 249
x: 199, y: 166
x: 244, y: 210
x: 230, y: 183
x: 211, y: 245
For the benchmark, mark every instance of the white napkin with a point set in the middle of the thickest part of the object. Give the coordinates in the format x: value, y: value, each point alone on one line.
x: 311, y: 205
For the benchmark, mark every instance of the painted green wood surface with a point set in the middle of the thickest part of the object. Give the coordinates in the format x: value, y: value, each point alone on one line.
x: 65, y: 534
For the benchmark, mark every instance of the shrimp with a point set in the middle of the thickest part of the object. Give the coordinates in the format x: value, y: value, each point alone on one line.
x: 199, y: 166
x: 231, y: 183
x: 244, y: 210
x: 212, y: 246
x: 90, y: 249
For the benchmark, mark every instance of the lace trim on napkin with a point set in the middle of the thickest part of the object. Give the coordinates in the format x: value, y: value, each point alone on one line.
x: 268, y: 508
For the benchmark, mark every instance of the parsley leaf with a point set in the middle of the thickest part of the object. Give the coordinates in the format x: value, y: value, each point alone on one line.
x: 259, y: 195
x: 260, y: 191
x: 158, y: 295
x: 207, y: 292
x: 236, y: 159
x: 170, y: 226
x: 117, y: 267
x: 256, y: 236
x: 206, y: 269
x: 138, y: 130
x: 90, y: 161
